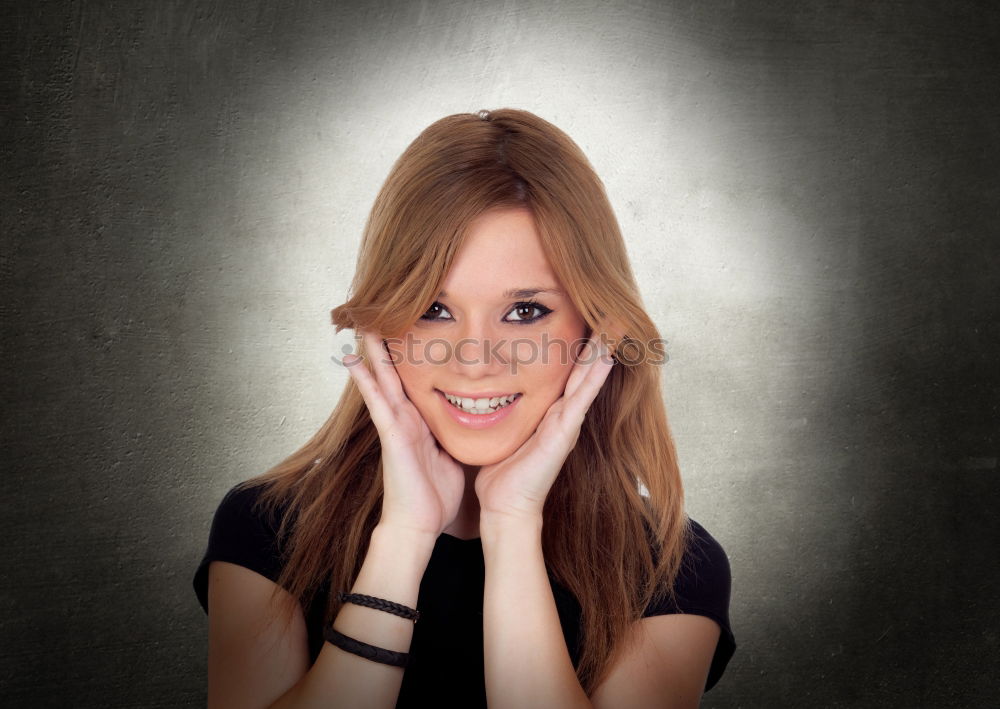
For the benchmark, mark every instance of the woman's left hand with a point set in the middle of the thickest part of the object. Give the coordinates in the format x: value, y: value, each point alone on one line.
x: 517, y: 486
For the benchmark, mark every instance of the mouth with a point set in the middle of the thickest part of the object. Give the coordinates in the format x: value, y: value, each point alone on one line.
x: 481, y: 405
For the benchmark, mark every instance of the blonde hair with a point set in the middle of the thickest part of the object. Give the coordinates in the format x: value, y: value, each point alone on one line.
x: 614, y: 548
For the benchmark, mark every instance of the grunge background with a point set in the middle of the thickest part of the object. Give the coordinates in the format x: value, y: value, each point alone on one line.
x: 810, y: 193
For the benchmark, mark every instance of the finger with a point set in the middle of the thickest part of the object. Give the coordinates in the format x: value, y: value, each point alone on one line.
x: 578, y: 372
x: 383, y: 368
x: 595, y: 373
x: 378, y: 407
x: 592, y: 353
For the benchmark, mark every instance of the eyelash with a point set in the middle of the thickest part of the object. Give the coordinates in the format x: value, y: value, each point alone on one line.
x: 523, y: 304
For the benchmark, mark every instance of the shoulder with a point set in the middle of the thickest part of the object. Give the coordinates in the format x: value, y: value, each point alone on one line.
x: 243, y: 533
x: 705, y: 577
x: 703, y: 587
x: 241, y: 510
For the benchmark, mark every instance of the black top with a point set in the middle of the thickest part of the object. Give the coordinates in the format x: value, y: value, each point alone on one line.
x: 450, y: 602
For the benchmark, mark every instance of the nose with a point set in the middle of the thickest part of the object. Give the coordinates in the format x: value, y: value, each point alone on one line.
x: 479, y: 350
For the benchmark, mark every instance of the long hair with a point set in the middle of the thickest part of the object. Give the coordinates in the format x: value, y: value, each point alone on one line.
x: 614, y: 546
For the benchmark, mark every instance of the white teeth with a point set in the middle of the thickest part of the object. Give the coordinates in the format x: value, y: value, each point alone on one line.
x: 482, y: 405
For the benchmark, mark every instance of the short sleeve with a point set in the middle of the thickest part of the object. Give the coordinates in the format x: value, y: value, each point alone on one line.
x: 703, y: 587
x: 241, y: 536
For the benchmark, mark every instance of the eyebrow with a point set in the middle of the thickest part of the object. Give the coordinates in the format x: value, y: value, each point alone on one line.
x: 519, y: 292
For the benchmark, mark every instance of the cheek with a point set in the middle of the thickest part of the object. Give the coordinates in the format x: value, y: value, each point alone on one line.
x: 567, y: 342
x: 547, y: 376
x: 411, y: 375
x: 414, y: 378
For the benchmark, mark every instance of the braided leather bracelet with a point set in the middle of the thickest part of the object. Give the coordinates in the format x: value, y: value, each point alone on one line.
x: 380, y: 604
x: 369, y: 652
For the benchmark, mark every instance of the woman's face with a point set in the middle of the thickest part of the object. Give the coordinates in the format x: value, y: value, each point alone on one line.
x: 483, y: 339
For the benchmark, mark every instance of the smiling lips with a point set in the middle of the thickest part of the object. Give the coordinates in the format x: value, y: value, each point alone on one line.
x: 477, y: 418
x: 481, y: 405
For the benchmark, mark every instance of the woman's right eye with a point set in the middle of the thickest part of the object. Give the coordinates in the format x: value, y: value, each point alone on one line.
x: 433, y: 311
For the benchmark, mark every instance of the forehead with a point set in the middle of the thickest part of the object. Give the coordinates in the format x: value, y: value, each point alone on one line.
x: 502, y: 250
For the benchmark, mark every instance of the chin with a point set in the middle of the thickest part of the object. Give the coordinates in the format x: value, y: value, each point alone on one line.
x: 470, y: 454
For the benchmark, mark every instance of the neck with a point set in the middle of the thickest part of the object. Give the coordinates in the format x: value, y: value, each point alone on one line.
x: 466, y: 524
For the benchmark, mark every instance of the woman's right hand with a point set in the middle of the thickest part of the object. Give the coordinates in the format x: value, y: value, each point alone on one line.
x: 422, y: 484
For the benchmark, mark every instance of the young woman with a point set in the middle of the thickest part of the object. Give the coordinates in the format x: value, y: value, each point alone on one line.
x: 493, y: 514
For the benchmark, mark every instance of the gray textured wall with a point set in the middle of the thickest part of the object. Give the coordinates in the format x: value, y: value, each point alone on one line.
x: 809, y: 191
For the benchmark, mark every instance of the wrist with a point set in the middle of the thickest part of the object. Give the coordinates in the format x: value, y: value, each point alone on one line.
x: 494, y: 526
x: 403, y: 539
x: 394, y: 566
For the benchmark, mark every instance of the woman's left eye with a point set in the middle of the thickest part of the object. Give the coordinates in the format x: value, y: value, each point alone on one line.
x: 528, y: 307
